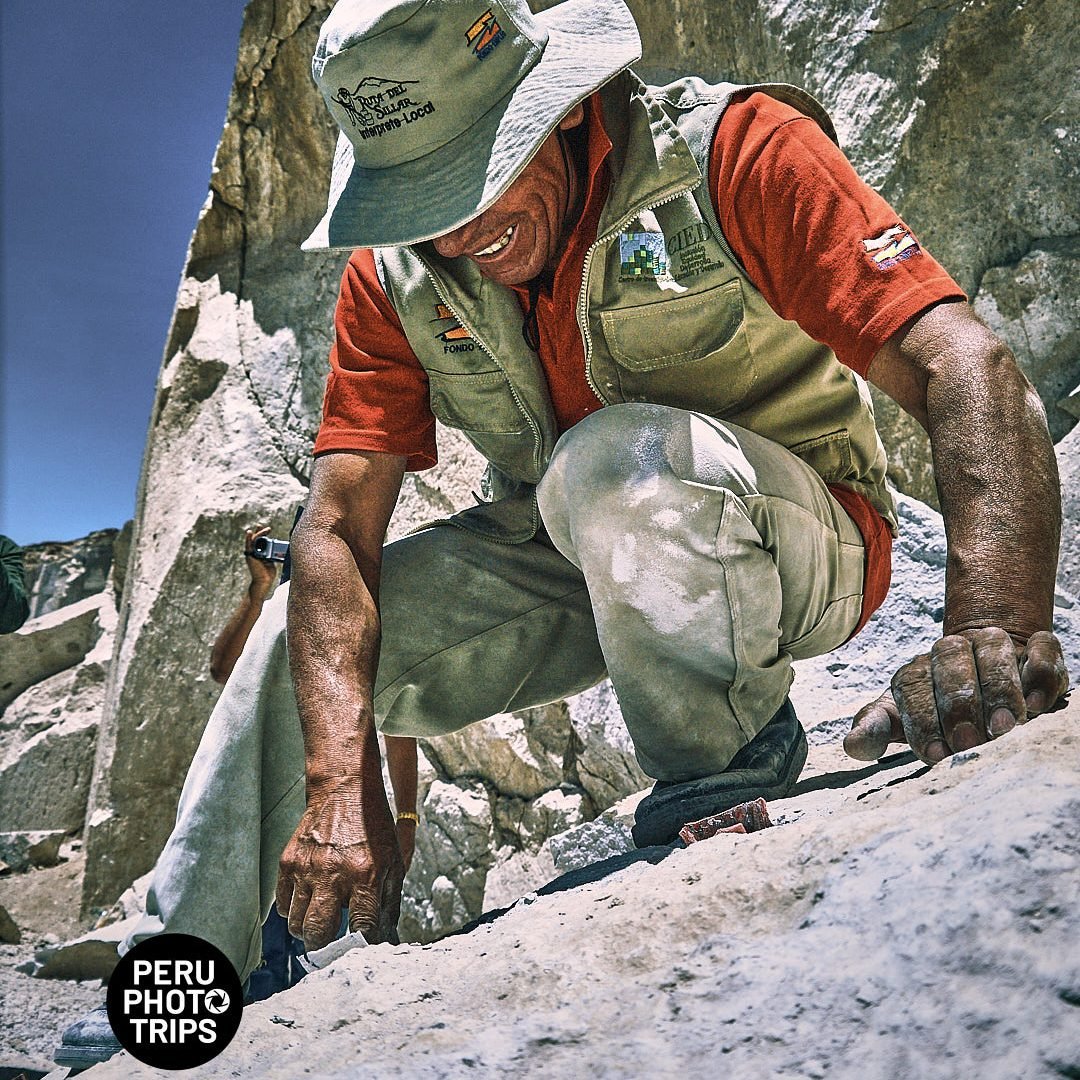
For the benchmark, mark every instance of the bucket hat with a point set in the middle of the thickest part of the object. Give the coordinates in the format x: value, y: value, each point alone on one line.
x: 442, y: 103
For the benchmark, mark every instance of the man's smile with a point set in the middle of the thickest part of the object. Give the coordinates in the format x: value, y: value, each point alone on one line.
x: 497, y: 246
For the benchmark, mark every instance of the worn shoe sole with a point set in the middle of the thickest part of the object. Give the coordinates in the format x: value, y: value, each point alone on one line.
x: 768, y: 767
x: 83, y: 1057
x: 87, y: 1042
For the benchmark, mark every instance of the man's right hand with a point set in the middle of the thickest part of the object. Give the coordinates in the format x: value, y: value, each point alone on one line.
x: 344, y: 854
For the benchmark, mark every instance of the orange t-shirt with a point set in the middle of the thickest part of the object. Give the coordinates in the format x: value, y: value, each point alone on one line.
x: 823, y: 248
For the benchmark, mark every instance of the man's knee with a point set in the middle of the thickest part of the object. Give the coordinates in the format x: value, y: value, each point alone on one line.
x: 619, y: 456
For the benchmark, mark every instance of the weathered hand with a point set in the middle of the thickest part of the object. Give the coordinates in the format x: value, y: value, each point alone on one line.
x: 344, y: 853
x: 970, y: 688
x: 262, y: 572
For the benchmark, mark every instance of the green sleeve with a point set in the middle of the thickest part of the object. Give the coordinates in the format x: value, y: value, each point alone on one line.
x: 14, y: 606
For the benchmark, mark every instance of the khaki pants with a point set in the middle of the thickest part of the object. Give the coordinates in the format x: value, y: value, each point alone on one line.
x: 688, y: 559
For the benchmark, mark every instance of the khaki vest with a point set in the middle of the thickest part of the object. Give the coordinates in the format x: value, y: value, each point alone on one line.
x: 666, y: 313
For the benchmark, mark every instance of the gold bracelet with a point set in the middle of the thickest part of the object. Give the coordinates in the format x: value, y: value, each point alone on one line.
x: 409, y: 815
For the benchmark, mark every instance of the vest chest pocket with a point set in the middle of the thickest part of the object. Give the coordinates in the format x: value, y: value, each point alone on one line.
x: 690, y: 352
x: 480, y: 402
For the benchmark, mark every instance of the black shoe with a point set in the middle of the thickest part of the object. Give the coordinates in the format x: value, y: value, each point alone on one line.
x: 767, y: 767
x: 87, y: 1042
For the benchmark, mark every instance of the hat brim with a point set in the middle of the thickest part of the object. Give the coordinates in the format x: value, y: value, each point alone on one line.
x: 589, y: 43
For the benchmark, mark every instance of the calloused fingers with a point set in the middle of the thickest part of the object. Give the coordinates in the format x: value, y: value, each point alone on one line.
x: 391, y: 906
x: 284, y: 892
x: 913, y: 692
x: 321, y: 920
x: 873, y: 728
x: 957, y: 697
x: 999, y: 680
x: 1043, y: 675
x: 364, y: 912
x: 297, y: 912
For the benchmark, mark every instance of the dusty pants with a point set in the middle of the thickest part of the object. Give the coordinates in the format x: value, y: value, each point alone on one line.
x: 688, y: 559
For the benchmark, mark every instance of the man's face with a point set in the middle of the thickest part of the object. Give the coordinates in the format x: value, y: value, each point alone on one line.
x: 521, y: 233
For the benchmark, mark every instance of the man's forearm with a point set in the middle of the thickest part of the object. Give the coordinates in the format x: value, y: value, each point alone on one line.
x: 231, y: 641
x: 998, y: 485
x: 333, y: 638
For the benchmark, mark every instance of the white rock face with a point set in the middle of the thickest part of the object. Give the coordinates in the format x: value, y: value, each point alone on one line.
x: 1068, y: 453
x: 47, y: 645
x: 907, y: 922
x: 1034, y: 307
x: 62, y: 573
x: 48, y: 732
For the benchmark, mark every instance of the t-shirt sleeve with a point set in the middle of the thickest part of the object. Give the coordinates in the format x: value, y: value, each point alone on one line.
x: 377, y: 392
x: 824, y: 249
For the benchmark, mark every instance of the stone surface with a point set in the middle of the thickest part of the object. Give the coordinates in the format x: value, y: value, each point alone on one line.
x: 606, y: 766
x: 62, y: 573
x: 520, y: 754
x: 831, y: 945
x: 455, y: 838
x: 594, y: 841
x: 1068, y: 453
x: 46, y: 645
x: 1034, y: 307
x: 91, y: 955
x: 48, y: 737
x: 9, y: 931
x: 23, y: 850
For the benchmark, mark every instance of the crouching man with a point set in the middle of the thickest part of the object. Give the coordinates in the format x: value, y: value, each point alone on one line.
x: 652, y: 309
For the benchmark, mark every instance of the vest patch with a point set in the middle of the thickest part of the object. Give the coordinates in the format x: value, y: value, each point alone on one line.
x: 642, y: 255
x: 455, y: 337
x: 891, y: 247
x: 692, y: 250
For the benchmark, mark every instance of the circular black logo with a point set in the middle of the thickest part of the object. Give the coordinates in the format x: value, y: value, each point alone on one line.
x: 174, y: 1001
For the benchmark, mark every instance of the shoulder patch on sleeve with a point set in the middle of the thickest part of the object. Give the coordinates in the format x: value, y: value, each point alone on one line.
x: 891, y: 247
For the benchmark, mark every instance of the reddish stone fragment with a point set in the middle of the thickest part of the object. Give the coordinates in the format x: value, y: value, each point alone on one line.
x: 747, y: 817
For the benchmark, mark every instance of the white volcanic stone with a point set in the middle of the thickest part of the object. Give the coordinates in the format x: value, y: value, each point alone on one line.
x: 519, y: 754
x: 910, y: 922
x: 1034, y: 307
x: 606, y: 766
x: 48, y: 644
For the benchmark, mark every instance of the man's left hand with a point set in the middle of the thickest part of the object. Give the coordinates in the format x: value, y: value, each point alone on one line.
x: 970, y: 688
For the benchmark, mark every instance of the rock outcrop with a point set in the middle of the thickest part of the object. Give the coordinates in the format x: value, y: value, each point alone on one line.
x: 898, y: 921
x: 52, y: 686
x: 59, y: 573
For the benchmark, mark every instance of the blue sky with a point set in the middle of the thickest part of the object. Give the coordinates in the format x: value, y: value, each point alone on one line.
x: 111, y: 112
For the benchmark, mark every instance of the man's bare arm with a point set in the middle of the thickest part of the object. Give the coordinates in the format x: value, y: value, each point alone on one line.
x: 344, y: 851
x: 401, y: 764
x: 997, y: 662
x: 233, y: 637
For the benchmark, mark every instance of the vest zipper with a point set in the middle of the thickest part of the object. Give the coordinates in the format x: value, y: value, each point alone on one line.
x: 537, y: 437
x: 583, y: 322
